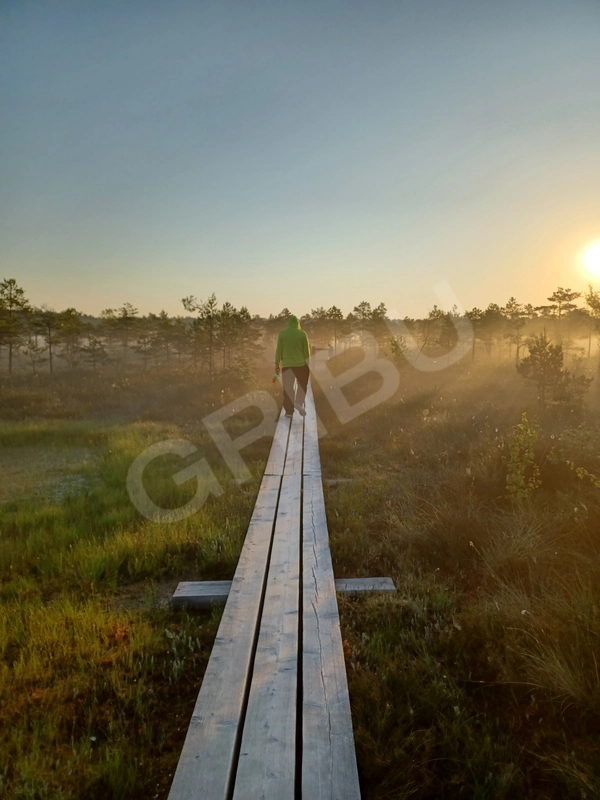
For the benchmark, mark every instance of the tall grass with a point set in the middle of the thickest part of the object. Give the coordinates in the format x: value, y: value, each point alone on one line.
x: 480, y: 677
x: 95, y: 694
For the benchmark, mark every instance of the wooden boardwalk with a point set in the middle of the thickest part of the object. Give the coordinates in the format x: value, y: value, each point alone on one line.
x: 272, y: 719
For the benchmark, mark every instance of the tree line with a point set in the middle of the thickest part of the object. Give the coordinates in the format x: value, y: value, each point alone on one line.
x: 213, y: 338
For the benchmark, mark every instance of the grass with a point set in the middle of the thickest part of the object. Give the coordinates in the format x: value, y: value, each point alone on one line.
x: 483, y: 668
x: 482, y: 671
x: 84, y: 694
x: 95, y: 694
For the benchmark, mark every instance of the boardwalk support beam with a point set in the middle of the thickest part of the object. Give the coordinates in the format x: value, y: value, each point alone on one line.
x: 204, y: 594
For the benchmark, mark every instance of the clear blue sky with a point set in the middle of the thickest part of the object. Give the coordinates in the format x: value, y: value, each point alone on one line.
x: 297, y: 154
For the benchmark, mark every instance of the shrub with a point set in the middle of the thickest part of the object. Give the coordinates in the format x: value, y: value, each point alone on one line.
x: 523, y: 474
x: 544, y: 366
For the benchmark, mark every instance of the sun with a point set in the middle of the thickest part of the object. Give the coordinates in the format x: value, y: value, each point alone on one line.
x: 591, y: 258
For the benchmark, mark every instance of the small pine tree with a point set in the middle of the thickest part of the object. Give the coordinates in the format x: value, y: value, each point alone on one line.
x: 523, y: 474
x: 13, y: 307
x: 399, y: 350
x: 94, y: 351
x: 35, y: 352
x: 71, y: 330
x: 543, y: 365
x: 48, y: 322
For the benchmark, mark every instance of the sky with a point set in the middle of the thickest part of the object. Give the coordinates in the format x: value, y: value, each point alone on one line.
x: 298, y: 154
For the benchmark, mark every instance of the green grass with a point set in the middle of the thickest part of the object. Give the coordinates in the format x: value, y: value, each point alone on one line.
x: 95, y: 693
x: 84, y: 692
x: 96, y: 537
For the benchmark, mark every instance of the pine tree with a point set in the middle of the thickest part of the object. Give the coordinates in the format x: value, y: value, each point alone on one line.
x: 543, y: 365
x: 207, y: 328
x: 492, y: 323
x: 592, y: 299
x: 317, y: 326
x: 94, y: 351
x: 126, y: 320
x: 13, y: 307
x: 48, y: 322
x: 71, y: 330
x: 145, y: 339
x: 336, y: 323
x: 515, y: 322
x: 163, y: 335
x: 34, y: 350
x: 109, y: 328
x: 476, y: 316
x: 562, y: 301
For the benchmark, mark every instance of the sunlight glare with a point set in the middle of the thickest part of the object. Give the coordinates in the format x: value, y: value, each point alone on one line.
x: 591, y: 258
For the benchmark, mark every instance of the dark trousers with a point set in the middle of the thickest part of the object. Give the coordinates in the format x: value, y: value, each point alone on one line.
x: 294, y: 395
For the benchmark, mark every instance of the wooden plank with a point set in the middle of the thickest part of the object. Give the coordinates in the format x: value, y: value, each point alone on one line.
x: 267, y: 761
x: 276, y: 460
x: 312, y: 414
x: 294, y: 454
x: 312, y: 460
x: 203, y: 594
x: 200, y: 594
x: 329, y: 770
x: 353, y: 586
x: 207, y: 762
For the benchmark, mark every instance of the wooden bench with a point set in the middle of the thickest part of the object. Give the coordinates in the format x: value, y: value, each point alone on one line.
x: 272, y: 719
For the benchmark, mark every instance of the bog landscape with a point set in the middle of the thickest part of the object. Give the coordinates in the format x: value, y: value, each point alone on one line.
x: 299, y: 400
x: 474, y: 485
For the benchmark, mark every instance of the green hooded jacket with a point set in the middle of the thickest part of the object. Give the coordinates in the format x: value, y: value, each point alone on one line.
x: 292, y: 346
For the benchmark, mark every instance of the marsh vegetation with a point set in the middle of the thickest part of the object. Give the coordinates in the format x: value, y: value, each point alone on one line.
x: 478, y: 679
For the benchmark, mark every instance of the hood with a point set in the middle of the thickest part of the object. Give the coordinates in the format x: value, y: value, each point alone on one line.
x: 293, y: 322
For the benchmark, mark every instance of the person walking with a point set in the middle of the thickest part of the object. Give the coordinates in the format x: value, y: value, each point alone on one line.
x: 293, y: 353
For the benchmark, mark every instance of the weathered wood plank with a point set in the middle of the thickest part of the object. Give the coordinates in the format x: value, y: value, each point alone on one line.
x: 207, y: 762
x: 351, y: 586
x: 200, y: 594
x: 294, y: 454
x: 267, y: 761
x: 329, y: 770
x: 276, y: 460
x: 203, y: 594
x: 312, y: 460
